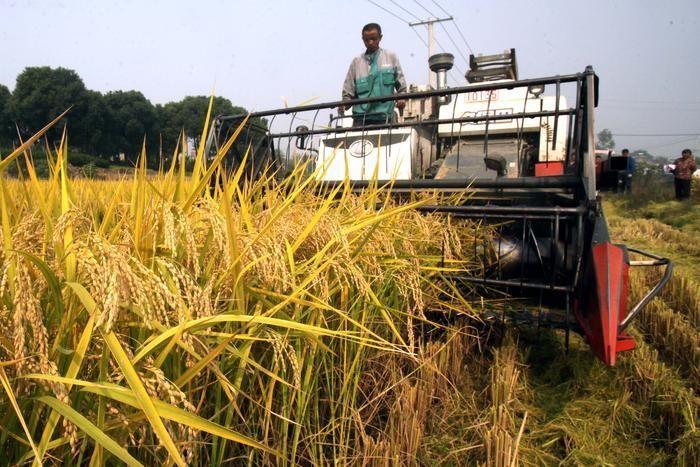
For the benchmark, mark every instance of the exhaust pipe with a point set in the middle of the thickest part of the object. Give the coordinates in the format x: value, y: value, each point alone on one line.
x: 441, y: 64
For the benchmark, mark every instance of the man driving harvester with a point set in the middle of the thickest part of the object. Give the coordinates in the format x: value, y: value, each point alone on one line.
x: 375, y: 73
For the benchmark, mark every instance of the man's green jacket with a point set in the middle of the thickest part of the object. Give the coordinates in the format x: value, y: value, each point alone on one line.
x: 374, y: 75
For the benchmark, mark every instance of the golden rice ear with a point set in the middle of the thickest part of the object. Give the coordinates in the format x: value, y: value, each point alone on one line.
x: 155, y: 254
x: 143, y: 318
x: 200, y: 159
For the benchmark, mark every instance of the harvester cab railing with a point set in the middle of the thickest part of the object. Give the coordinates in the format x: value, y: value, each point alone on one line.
x: 532, y: 127
x: 527, y: 158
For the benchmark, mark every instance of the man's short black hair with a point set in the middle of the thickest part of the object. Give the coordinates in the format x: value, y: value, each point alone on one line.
x: 687, y: 151
x: 371, y: 26
x: 625, y: 150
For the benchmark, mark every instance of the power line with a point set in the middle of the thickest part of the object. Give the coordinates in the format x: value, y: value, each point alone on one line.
x: 654, y: 101
x: 458, y: 48
x: 390, y: 12
x: 673, y: 143
x: 453, y: 77
x: 420, y: 37
x: 405, y: 10
x: 427, y: 23
x: 426, y: 10
x: 449, y: 36
x: 459, y: 30
x: 401, y: 19
x: 444, y: 50
x: 656, y: 135
x: 438, y: 5
x: 646, y: 109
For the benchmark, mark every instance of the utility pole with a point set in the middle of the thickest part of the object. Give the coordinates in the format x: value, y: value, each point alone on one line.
x: 431, y: 41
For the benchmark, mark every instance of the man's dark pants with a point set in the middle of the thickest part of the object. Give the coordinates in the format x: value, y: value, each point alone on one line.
x: 628, y: 182
x: 362, y: 121
x: 682, y: 188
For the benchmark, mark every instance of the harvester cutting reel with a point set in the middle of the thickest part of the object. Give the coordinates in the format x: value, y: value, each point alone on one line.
x: 525, y: 160
x: 600, y: 300
x: 602, y: 329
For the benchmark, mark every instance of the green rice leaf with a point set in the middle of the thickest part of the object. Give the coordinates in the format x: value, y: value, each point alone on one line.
x: 181, y: 416
x: 91, y: 430
x: 145, y: 402
x: 8, y: 390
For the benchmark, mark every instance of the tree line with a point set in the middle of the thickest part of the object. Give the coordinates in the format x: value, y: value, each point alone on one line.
x: 101, y: 125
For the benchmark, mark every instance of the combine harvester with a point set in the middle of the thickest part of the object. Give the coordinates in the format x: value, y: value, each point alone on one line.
x: 527, y: 161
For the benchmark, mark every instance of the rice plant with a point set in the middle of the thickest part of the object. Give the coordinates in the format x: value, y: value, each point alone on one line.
x: 669, y: 330
x: 683, y: 295
x: 169, y: 319
x: 194, y: 319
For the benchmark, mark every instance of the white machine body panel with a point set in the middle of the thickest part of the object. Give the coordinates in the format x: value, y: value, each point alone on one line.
x: 506, y: 102
x: 376, y: 154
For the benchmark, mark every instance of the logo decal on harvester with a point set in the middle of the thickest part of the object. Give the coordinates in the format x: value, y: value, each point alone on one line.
x: 361, y: 148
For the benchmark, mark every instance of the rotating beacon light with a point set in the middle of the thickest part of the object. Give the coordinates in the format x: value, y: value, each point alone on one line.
x: 440, y: 64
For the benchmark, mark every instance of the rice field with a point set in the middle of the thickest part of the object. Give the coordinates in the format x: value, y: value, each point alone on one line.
x: 158, y: 320
x: 189, y: 319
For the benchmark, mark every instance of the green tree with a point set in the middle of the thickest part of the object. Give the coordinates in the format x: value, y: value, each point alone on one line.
x: 6, y: 127
x: 105, y: 125
x: 97, y: 133
x: 130, y: 118
x: 189, y: 114
x: 42, y: 93
x: 605, y: 140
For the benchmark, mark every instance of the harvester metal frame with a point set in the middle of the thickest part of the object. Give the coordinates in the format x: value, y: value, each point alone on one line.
x: 554, y: 224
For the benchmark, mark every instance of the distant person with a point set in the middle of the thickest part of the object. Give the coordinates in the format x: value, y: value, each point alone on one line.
x: 683, y: 173
x: 375, y: 73
x: 631, y: 167
x: 598, y: 169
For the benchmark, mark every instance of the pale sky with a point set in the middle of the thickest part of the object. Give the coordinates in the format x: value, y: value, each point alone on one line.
x: 259, y: 54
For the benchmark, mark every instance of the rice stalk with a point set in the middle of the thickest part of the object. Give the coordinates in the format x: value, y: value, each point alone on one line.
x: 264, y: 308
x: 670, y: 331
